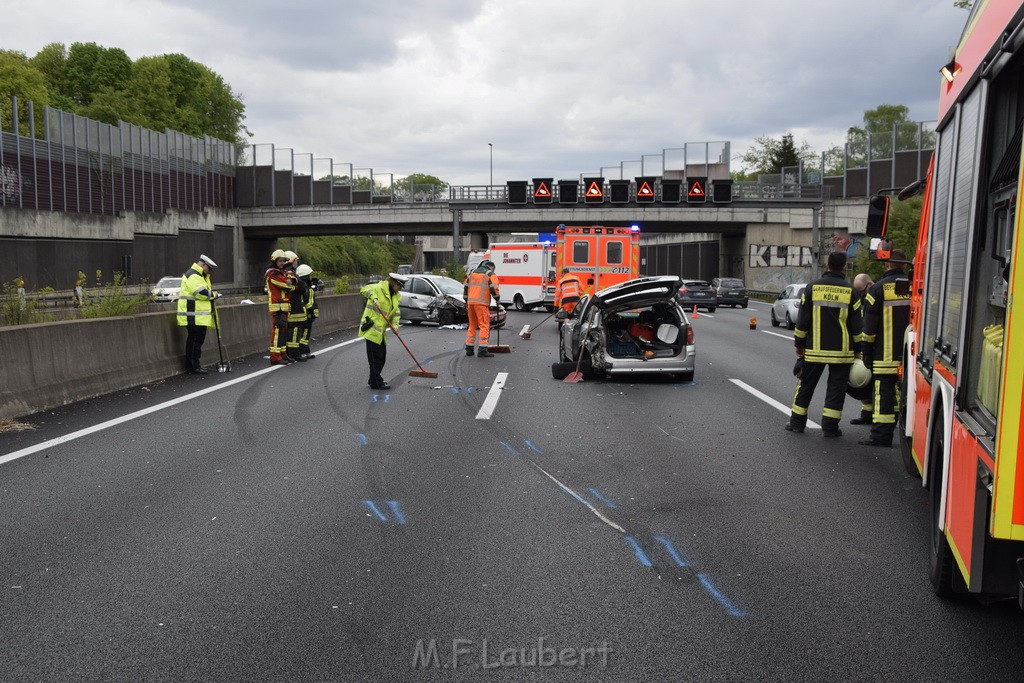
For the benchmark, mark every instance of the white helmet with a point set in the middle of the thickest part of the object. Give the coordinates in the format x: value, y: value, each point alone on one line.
x: 859, y: 374
x: 303, y: 270
x: 278, y: 253
x: 291, y: 255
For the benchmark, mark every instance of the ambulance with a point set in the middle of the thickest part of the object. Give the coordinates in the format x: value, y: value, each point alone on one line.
x: 599, y: 256
x: 526, y: 271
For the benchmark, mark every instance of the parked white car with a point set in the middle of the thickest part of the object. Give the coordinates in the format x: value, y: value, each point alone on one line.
x: 787, y: 306
x: 167, y: 288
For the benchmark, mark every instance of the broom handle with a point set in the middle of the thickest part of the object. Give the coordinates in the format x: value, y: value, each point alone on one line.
x: 388, y: 322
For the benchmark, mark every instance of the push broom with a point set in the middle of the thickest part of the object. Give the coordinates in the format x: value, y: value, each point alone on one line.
x: 499, y: 347
x: 412, y: 373
x: 527, y: 331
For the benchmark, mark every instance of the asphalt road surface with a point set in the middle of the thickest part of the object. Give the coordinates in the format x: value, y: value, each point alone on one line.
x: 291, y: 524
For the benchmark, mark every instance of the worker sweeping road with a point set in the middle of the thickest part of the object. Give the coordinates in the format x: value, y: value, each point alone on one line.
x: 480, y: 287
x: 380, y: 313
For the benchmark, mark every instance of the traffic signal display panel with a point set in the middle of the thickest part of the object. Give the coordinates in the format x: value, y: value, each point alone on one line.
x: 543, y: 190
x: 593, y: 190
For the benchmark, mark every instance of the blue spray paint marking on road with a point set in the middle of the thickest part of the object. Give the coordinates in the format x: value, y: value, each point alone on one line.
x: 597, y: 494
x: 362, y: 439
x: 399, y: 517
x: 374, y: 398
x: 671, y: 551
x: 533, y: 448
x: 470, y: 390
x: 373, y: 508
x: 730, y: 608
x: 387, y: 398
x: 454, y: 390
x: 640, y: 555
x: 509, y: 448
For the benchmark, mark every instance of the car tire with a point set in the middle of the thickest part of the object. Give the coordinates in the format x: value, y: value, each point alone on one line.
x: 445, y: 316
x: 518, y: 303
x: 745, y: 304
x: 561, y: 370
x: 549, y: 309
x: 415, y: 322
x: 775, y: 321
x: 789, y: 322
x: 711, y: 309
x: 685, y: 376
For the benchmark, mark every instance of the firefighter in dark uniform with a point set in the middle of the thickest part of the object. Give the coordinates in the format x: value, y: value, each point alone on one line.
x: 885, y: 323
x: 305, y: 275
x: 861, y: 283
x: 827, y: 332
x: 296, y: 315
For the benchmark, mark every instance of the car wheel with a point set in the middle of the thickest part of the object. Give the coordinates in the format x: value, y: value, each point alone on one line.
x: 711, y: 309
x: 744, y: 304
x: 518, y: 303
x: 416, y: 322
x: 561, y: 370
x: 947, y: 582
x: 775, y: 321
x: 685, y: 376
x: 445, y: 316
x: 789, y: 322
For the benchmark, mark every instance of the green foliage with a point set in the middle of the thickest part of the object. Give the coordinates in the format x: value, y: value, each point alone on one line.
x: 112, y: 299
x: 454, y: 270
x: 769, y: 155
x: 342, y: 285
x: 904, y: 218
x: 422, y: 184
x: 20, y: 79
x: 91, y: 68
x: 17, y: 311
x: 351, y: 255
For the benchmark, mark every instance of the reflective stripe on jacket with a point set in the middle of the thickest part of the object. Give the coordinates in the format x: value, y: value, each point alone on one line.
x: 379, y: 293
x: 194, y: 298
x: 829, y: 323
x: 279, y: 286
x: 568, y: 291
x: 480, y: 287
x: 886, y: 321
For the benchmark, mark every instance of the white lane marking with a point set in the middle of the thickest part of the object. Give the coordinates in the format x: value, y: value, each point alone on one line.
x: 785, y: 410
x: 146, y: 411
x: 581, y: 499
x: 776, y: 334
x: 492, y: 397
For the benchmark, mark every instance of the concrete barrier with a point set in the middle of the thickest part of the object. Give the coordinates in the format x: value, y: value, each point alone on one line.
x: 53, y: 364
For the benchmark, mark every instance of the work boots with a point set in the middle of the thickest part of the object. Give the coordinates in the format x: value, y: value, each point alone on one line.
x: 469, y: 350
x: 483, y: 353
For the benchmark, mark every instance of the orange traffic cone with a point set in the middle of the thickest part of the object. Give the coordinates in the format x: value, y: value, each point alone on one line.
x: 695, y: 313
x: 753, y: 322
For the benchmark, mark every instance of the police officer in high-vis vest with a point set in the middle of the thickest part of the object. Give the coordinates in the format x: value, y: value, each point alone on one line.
x: 828, y: 329
x: 885, y: 324
x: 382, y: 313
x: 195, y: 310
x: 479, y: 288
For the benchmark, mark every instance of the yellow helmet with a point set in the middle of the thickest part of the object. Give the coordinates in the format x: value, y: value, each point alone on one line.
x: 278, y: 253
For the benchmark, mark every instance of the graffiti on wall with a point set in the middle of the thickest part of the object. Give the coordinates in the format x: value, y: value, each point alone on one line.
x: 778, y: 256
x: 10, y: 183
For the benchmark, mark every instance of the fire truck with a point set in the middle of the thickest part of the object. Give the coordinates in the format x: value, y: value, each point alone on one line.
x: 961, y: 426
x: 526, y: 271
x: 599, y: 256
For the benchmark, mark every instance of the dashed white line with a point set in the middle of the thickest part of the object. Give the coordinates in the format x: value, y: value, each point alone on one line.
x: 491, y: 402
x: 770, y: 401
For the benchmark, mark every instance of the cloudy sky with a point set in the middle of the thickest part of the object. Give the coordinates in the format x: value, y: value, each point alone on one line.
x: 558, y: 88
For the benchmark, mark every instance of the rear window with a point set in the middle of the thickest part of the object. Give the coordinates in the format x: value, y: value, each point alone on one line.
x: 614, y: 253
x: 696, y: 283
x: 732, y: 283
x: 581, y: 251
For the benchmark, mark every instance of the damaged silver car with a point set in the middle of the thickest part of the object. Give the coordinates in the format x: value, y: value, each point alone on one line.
x: 637, y: 326
x: 438, y: 299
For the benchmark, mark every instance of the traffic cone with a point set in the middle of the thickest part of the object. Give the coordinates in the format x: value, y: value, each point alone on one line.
x: 753, y: 322
x: 695, y: 313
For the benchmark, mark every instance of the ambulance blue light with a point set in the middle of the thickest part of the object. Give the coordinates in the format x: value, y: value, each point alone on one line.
x: 635, y: 228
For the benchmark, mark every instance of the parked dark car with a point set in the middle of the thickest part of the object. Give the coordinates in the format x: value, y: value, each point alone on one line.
x: 730, y: 291
x: 697, y: 293
x: 438, y: 299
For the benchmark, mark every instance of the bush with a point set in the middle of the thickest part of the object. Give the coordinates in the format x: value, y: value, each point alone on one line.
x: 112, y: 299
x: 14, y: 310
x: 341, y: 285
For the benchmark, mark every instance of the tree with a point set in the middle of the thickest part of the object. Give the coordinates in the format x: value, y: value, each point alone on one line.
x: 877, y: 132
x: 902, y: 228
x: 19, y: 79
x: 52, y: 61
x: 769, y: 155
x: 91, y: 67
x: 420, y: 183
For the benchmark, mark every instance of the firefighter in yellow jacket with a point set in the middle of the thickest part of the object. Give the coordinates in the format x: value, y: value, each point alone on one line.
x: 827, y: 332
x: 382, y: 301
x: 885, y: 323
x: 279, y: 283
x: 195, y: 310
x: 480, y: 286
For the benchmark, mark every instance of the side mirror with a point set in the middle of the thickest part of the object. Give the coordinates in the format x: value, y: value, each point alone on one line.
x: 561, y: 315
x: 878, y: 216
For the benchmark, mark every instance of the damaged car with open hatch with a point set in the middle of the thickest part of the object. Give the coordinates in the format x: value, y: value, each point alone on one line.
x: 637, y: 326
x: 438, y: 299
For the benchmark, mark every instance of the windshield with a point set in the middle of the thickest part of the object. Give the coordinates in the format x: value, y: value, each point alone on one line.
x: 448, y: 285
x: 169, y: 282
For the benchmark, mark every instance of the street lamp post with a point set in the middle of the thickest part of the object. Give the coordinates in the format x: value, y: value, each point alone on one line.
x: 490, y: 147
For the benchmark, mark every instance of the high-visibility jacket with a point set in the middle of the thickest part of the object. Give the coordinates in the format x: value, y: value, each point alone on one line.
x: 480, y: 286
x: 829, y: 324
x: 279, y: 287
x: 312, y: 310
x: 569, y: 291
x: 378, y: 296
x: 194, y: 298
x: 297, y: 301
x: 886, y: 321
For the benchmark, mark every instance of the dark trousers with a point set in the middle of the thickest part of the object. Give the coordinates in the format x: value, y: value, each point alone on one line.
x: 835, y: 394
x: 307, y: 332
x: 194, y: 346
x: 376, y: 355
x: 887, y: 404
